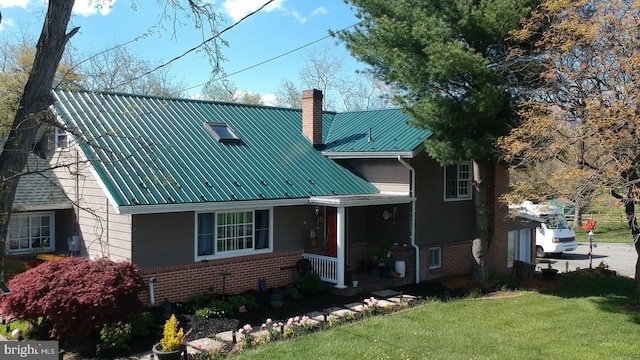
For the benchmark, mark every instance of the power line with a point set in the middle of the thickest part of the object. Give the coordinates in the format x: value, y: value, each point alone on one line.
x: 197, y: 46
x: 270, y: 59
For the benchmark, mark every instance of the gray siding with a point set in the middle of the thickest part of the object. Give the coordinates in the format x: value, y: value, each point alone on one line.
x: 169, y: 239
x: 292, y: 227
x: 163, y: 239
x: 104, y: 233
x: 438, y: 221
x: 388, y: 175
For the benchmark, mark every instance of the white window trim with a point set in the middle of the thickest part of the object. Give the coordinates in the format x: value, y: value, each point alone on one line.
x: 236, y: 253
x: 57, y: 133
x: 469, y: 192
x: 439, y: 265
x: 517, y: 248
x: 52, y: 236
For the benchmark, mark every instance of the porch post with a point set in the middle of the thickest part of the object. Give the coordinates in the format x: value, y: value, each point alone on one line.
x: 340, y: 232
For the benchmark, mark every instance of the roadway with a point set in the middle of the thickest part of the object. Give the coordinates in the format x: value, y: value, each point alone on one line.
x: 620, y: 257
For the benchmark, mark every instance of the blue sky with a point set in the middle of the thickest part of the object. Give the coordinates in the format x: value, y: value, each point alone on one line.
x: 283, y: 26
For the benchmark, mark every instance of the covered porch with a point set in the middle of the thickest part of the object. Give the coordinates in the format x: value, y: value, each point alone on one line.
x: 349, y: 233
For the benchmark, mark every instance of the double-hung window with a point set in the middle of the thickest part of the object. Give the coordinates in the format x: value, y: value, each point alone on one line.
x: 457, y: 181
x: 32, y: 232
x: 231, y: 233
x: 61, y: 138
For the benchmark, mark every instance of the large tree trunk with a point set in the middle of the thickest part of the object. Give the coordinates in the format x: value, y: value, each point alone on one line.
x: 480, y: 246
x: 34, y: 103
x: 632, y: 220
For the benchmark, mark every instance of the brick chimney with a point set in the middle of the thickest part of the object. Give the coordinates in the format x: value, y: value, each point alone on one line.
x: 312, y: 115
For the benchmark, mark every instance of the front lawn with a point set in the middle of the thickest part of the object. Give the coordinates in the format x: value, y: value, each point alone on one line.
x: 589, y: 317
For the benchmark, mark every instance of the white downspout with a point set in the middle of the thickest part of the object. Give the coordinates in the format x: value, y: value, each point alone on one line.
x: 412, y: 193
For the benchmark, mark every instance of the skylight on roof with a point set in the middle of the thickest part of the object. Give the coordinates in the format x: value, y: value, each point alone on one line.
x: 222, y: 132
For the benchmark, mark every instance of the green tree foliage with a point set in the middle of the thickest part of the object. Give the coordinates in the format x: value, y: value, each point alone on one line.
x: 448, y: 57
x: 74, y: 297
x: 16, y: 61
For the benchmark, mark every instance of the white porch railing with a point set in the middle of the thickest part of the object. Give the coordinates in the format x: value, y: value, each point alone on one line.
x: 324, y: 266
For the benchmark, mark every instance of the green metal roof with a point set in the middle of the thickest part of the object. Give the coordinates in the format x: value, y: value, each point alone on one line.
x: 153, y: 151
x: 374, y: 131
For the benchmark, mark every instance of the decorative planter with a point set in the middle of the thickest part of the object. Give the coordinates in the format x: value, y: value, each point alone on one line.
x: 385, y: 272
x: 167, y: 355
x: 549, y: 274
x: 277, y: 300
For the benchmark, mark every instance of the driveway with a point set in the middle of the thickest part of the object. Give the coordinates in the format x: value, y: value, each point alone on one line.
x: 620, y: 257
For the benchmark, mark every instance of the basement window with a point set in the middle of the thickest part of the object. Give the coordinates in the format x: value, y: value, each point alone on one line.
x: 222, y: 132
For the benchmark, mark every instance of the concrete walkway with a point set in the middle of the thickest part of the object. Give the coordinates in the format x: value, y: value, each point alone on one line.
x: 385, y: 298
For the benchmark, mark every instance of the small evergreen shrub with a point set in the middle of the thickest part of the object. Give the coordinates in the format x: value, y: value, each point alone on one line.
x: 236, y: 302
x: 201, y: 300
x: 173, y: 337
x: 250, y: 301
x: 74, y: 297
x: 309, y: 283
x: 292, y: 292
x: 141, y: 323
x: 116, y: 336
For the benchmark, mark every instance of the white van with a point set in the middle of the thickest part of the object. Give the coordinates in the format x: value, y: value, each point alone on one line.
x: 554, y: 235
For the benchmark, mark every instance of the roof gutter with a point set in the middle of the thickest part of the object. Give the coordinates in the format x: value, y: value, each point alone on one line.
x: 368, y: 154
x: 413, y: 215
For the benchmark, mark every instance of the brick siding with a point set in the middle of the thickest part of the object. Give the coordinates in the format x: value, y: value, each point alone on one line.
x: 177, y: 283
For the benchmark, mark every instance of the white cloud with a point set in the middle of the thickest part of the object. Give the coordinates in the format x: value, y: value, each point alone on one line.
x: 92, y: 7
x: 269, y: 99
x: 299, y: 17
x: 319, y: 11
x: 6, y: 22
x: 237, y: 9
x: 13, y: 3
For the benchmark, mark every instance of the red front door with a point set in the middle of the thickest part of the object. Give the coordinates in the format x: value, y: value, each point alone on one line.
x: 332, y: 238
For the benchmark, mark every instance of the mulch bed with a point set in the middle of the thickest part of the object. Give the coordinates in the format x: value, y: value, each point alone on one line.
x: 449, y: 287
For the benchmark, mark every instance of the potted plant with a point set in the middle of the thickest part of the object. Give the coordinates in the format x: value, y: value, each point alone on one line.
x: 383, y: 253
x: 172, y: 344
x: 354, y: 280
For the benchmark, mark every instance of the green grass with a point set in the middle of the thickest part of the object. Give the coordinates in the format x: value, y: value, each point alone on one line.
x: 607, y: 233
x: 22, y: 325
x: 611, y: 226
x: 587, y: 318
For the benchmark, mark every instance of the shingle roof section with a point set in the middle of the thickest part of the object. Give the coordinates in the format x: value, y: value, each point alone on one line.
x: 39, y: 189
x: 372, y: 131
x: 151, y: 150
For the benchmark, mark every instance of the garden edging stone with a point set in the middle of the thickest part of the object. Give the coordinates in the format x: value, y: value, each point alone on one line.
x: 387, y: 298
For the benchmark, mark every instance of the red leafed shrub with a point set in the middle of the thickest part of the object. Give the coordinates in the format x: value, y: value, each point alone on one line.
x: 74, y: 297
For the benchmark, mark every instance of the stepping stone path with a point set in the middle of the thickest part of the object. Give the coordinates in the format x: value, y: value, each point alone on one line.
x: 386, y: 298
